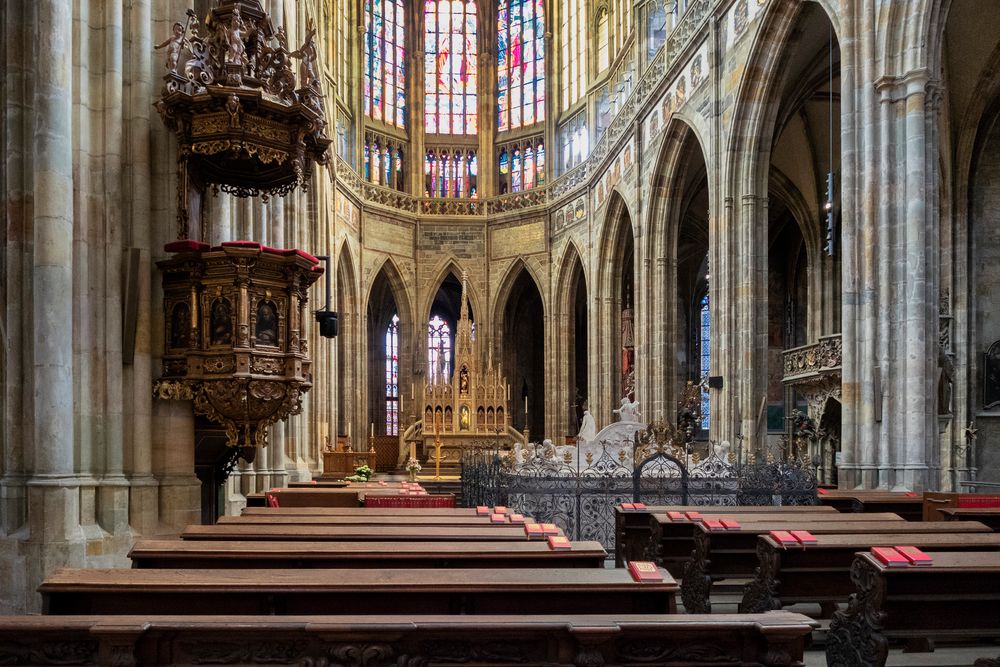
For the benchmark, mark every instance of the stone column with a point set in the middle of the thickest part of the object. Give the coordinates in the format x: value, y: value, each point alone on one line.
x: 54, y: 495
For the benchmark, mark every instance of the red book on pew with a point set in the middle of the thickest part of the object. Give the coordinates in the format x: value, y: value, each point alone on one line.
x: 915, y: 556
x: 500, y: 509
x: 804, y: 537
x: 694, y: 516
x: 911, y: 494
x: 483, y: 510
x: 890, y: 557
x: 516, y: 518
x: 628, y: 507
x: 676, y: 516
x: 642, y: 570
x: 559, y: 542
x: 714, y: 524
x: 498, y: 518
x: 534, y: 531
x: 639, y: 507
x: 822, y: 492
x: 783, y: 537
x: 730, y: 524
x: 550, y: 529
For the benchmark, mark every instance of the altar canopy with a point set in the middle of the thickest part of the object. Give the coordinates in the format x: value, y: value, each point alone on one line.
x: 468, y: 402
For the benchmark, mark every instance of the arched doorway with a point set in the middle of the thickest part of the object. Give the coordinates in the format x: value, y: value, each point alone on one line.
x: 524, y: 354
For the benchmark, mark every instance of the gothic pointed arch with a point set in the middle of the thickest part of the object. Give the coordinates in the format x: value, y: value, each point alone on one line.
x: 391, y: 333
x: 521, y: 338
x: 507, y: 284
x: 349, y: 417
x: 570, y: 344
x: 449, y: 266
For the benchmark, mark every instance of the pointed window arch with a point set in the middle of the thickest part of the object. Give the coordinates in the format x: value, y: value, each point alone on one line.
x: 603, y: 41
x: 450, y: 67
x: 438, y: 350
x: 392, y: 377
x: 573, y: 50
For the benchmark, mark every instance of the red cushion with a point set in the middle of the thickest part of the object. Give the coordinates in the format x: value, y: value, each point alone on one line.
x: 979, y: 501
x: 241, y: 244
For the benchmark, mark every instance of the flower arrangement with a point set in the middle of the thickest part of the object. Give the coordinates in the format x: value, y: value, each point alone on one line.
x: 413, y: 467
x: 361, y: 474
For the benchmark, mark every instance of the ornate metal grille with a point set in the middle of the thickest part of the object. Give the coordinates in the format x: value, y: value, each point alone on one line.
x: 580, y: 495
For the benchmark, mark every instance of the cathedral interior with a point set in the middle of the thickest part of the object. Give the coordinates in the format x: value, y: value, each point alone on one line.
x: 518, y: 210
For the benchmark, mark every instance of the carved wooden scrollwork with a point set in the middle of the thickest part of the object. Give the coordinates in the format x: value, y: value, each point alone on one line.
x: 760, y: 594
x: 855, y: 636
x: 696, y: 587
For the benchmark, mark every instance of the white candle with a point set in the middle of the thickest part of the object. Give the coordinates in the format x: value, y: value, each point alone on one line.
x: 373, y: 429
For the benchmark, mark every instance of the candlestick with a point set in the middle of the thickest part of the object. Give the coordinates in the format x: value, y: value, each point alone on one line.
x: 526, y: 405
x: 373, y: 429
x: 412, y: 394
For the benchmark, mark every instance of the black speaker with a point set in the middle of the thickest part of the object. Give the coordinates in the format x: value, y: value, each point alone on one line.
x: 715, y: 382
x: 327, y: 323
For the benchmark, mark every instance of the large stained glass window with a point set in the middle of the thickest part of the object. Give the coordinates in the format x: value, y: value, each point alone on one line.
x: 704, y: 345
x: 450, y: 67
x: 392, y: 377
x: 520, y: 63
x: 385, y: 75
x: 573, y: 50
x: 438, y: 350
x: 451, y: 173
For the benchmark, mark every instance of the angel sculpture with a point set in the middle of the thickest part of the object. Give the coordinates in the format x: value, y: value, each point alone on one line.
x: 629, y: 411
x: 234, y: 36
x: 307, y: 53
x: 174, y: 45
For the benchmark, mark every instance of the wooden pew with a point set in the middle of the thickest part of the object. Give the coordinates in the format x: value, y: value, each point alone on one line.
x: 251, y: 532
x: 235, y: 554
x: 732, y: 554
x: 160, y: 641
x: 357, y: 520
x: 632, y: 528
x: 359, y: 511
x: 319, y: 483
x: 906, y: 504
x: 988, y: 515
x: 671, y: 542
x: 820, y: 572
x: 956, y: 597
x: 936, y: 501
x: 415, y: 592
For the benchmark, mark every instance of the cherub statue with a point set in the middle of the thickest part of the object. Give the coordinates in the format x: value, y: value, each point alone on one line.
x: 588, y: 429
x: 234, y: 36
x: 629, y: 411
x: 174, y: 45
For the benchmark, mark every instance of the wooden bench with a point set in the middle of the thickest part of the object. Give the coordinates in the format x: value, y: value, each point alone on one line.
x: 732, y: 554
x: 321, y: 483
x: 357, y: 520
x: 988, y: 515
x: 936, y: 501
x: 906, y: 504
x: 820, y: 572
x: 671, y: 542
x: 415, y: 592
x: 632, y: 528
x: 359, y: 511
x: 956, y: 597
x: 251, y: 532
x: 589, y: 641
x: 237, y: 554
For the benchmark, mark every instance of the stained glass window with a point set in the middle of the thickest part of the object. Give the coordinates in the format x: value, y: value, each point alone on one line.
x: 521, y: 166
x: 438, y: 350
x: 392, y: 377
x: 451, y: 174
x: 603, y: 41
x: 383, y: 162
x: 343, y: 62
x: 450, y: 67
x: 573, y: 51
x: 385, y: 75
x: 704, y: 344
x: 520, y: 63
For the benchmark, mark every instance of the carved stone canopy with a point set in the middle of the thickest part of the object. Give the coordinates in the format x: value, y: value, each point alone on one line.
x: 242, y: 118
x: 233, y: 338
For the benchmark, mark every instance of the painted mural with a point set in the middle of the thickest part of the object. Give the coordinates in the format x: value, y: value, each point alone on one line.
x: 691, y: 78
